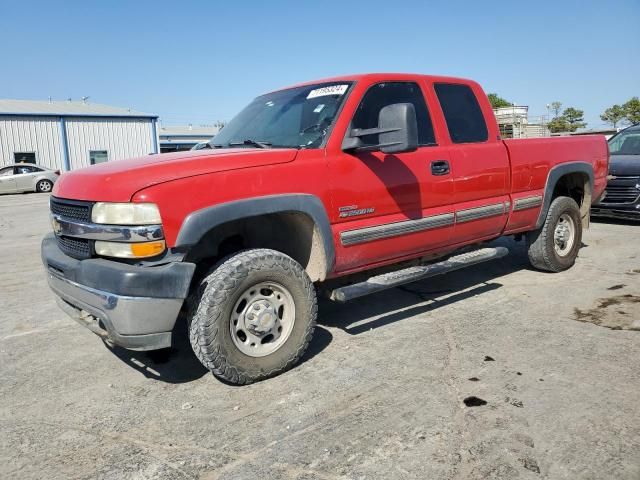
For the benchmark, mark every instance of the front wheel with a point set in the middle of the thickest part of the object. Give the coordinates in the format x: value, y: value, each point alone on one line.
x: 253, y: 316
x: 44, y: 186
x: 555, y: 246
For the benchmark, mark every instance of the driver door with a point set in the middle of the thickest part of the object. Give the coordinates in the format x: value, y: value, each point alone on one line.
x: 25, y: 176
x: 389, y: 206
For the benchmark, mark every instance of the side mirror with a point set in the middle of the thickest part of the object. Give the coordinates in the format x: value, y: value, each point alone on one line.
x: 400, y: 119
x: 397, y: 131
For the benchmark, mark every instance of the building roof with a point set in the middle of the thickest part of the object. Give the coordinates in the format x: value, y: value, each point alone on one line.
x: 66, y: 108
x: 187, y: 131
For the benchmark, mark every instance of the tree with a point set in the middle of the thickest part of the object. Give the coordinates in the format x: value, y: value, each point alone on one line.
x: 497, y: 101
x: 632, y: 110
x: 555, y: 108
x: 575, y: 118
x: 558, y: 124
x: 614, y: 115
x: 570, y: 120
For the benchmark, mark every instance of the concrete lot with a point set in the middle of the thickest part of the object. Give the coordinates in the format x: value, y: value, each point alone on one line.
x: 379, y: 396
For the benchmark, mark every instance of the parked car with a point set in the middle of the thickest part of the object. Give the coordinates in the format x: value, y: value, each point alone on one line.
x: 312, y: 188
x: 26, y: 177
x: 622, y: 195
x: 201, y: 146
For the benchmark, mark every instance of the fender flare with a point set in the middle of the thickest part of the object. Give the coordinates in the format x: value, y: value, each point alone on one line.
x: 552, y: 179
x: 198, y: 223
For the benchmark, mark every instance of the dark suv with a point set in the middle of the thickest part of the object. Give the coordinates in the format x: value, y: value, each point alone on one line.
x: 622, y: 196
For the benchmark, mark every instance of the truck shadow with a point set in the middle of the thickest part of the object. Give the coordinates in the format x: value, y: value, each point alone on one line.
x: 399, y: 303
x: 179, y: 364
x: 401, y: 182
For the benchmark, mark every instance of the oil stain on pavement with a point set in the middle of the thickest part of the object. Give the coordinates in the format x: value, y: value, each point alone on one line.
x: 621, y: 312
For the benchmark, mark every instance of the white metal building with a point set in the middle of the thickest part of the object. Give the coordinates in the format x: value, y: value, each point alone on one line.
x: 65, y: 135
x: 177, y: 138
x: 515, y: 122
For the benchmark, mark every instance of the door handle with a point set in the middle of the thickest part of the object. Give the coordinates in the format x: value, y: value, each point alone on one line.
x: 439, y: 167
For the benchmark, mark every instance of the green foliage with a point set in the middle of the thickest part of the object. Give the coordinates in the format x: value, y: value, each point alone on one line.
x: 632, y: 110
x: 497, y: 101
x: 558, y: 124
x: 575, y: 118
x: 628, y: 112
x: 555, y: 108
x: 570, y: 120
x: 613, y: 115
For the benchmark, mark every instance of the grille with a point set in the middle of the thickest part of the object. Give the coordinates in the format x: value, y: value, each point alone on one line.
x: 75, y: 247
x: 73, y: 210
x: 622, y: 190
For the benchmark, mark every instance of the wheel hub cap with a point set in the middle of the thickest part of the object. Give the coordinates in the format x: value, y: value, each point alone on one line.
x: 262, y: 319
x: 564, y: 235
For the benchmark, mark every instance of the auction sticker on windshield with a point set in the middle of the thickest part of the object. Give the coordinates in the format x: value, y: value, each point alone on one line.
x: 331, y: 90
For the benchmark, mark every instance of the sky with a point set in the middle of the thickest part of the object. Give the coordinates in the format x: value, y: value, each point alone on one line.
x: 202, y: 61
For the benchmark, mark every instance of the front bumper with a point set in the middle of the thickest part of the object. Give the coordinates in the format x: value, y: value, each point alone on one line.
x: 135, y: 307
x: 629, y: 213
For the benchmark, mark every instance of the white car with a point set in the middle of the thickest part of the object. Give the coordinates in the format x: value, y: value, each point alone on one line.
x: 26, y: 177
x: 201, y: 146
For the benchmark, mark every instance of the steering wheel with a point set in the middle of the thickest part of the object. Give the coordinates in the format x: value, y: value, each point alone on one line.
x: 323, y: 124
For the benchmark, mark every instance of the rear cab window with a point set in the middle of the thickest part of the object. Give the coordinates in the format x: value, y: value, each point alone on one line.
x: 383, y: 94
x: 462, y: 113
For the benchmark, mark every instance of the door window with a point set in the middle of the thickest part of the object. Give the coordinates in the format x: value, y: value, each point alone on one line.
x: 98, y: 156
x: 388, y: 93
x: 24, y: 157
x: 465, y: 121
x: 23, y: 169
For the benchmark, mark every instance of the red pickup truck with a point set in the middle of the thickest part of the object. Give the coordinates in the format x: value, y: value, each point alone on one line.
x: 348, y: 185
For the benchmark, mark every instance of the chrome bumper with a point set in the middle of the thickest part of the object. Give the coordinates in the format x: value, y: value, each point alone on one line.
x: 136, y: 323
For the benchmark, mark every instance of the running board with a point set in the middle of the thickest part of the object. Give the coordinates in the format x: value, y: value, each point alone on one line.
x: 412, y: 274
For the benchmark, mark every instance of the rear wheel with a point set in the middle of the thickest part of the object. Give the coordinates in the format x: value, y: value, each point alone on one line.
x: 555, y: 246
x: 253, y: 316
x: 44, y: 186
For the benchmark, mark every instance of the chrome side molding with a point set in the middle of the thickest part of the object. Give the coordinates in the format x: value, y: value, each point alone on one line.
x: 361, y: 235
x: 527, y: 202
x: 477, y: 213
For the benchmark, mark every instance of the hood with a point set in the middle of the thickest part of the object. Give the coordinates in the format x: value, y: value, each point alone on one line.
x: 118, y: 180
x: 624, y: 165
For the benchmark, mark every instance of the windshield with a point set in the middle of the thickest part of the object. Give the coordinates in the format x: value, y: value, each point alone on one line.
x: 626, y: 142
x: 294, y: 118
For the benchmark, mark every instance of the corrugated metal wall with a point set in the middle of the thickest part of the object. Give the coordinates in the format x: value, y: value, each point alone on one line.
x: 120, y: 137
x: 31, y: 134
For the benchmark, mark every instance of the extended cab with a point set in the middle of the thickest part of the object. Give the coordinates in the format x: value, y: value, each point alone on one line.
x: 349, y: 185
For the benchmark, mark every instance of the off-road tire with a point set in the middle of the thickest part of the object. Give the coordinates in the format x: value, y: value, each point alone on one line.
x: 541, y: 250
x: 40, y: 190
x: 212, y: 302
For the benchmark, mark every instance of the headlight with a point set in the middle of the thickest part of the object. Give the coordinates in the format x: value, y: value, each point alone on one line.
x: 129, y: 250
x: 125, y: 213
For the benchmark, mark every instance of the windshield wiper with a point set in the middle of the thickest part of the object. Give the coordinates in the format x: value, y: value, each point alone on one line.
x: 253, y: 143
